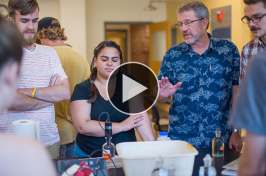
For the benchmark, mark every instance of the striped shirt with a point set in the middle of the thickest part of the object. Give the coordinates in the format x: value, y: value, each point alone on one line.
x: 36, y: 70
x: 249, y: 50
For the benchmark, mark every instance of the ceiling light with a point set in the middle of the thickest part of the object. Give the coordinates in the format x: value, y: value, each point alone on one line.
x: 150, y: 7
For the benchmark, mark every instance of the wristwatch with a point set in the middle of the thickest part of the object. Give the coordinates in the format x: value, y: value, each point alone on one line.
x: 237, y: 131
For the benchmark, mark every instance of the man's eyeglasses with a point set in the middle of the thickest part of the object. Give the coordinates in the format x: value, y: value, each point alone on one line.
x: 255, y: 19
x: 187, y: 23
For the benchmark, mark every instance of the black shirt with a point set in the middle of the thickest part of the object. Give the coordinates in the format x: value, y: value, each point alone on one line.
x: 89, y: 143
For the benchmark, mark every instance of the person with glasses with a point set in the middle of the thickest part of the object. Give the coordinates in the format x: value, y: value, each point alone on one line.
x: 202, y: 76
x: 255, y: 12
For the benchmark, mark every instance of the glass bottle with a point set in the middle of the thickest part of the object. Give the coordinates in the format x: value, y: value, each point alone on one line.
x: 207, y: 169
x: 163, y: 136
x: 159, y: 170
x: 108, y: 149
x: 218, y: 144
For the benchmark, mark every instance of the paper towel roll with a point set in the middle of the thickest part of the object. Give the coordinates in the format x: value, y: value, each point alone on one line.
x: 29, y: 128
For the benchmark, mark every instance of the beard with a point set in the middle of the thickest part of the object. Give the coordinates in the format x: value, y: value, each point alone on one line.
x: 30, y: 40
x: 195, y: 38
x: 190, y: 41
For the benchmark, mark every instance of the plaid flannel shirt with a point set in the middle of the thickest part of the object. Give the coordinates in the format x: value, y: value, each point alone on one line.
x: 249, y: 50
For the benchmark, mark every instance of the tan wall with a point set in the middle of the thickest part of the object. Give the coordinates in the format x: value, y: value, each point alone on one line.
x: 101, y: 11
x: 172, y: 17
x: 74, y: 22
x: 240, y: 32
x: 73, y: 19
x: 47, y: 8
x: 84, y: 19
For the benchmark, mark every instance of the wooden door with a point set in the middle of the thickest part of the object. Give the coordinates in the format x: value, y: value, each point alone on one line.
x: 160, y: 42
x: 118, y: 37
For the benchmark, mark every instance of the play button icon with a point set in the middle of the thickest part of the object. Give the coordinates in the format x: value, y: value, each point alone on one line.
x: 130, y: 88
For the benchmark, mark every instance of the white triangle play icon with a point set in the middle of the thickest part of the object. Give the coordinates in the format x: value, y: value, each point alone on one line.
x: 131, y: 88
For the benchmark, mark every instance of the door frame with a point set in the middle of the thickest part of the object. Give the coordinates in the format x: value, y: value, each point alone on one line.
x: 126, y: 38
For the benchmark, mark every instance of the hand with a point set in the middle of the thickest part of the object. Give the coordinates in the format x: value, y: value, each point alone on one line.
x: 55, y: 80
x: 166, y: 89
x: 131, y: 122
x: 22, y: 90
x: 235, y: 142
x: 25, y: 91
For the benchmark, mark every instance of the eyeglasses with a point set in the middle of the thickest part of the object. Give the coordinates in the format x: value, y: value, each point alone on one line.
x: 187, y: 23
x: 255, y: 19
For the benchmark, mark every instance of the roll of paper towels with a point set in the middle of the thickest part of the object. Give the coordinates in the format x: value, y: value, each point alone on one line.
x: 28, y: 128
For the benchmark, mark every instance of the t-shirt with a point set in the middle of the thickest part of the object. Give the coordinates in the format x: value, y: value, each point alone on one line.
x: 77, y: 69
x: 250, y: 111
x: 37, y: 68
x: 89, y: 143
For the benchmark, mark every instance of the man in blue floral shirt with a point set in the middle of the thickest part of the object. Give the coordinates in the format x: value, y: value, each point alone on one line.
x: 208, y: 69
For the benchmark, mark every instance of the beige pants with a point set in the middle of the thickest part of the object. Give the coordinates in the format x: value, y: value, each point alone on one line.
x: 54, y: 150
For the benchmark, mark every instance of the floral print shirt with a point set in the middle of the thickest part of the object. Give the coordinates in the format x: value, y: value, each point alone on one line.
x: 203, y: 102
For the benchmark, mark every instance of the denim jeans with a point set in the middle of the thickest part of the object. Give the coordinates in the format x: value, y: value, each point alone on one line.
x: 79, y: 152
x: 67, y: 151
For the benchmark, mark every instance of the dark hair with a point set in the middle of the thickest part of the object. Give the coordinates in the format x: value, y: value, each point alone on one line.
x: 10, y: 43
x: 25, y: 7
x: 93, y: 75
x: 198, y: 7
x: 248, y: 2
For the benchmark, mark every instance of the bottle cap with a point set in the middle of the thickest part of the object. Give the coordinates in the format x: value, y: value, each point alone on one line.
x: 159, y: 161
x: 218, y: 132
x: 207, y: 160
x: 163, y: 133
x: 171, y: 169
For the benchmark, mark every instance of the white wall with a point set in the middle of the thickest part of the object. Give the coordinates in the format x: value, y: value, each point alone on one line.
x: 72, y: 16
x: 83, y: 20
x: 73, y: 19
x: 48, y: 8
x: 100, y: 11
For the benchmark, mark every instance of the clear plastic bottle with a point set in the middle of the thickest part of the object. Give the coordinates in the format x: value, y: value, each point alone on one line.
x: 159, y: 170
x: 171, y: 170
x: 163, y: 136
x: 108, y: 149
x: 207, y: 169
x: 218, y: 144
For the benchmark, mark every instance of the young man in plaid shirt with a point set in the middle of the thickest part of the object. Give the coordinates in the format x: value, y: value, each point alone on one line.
x: 255, y: 12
